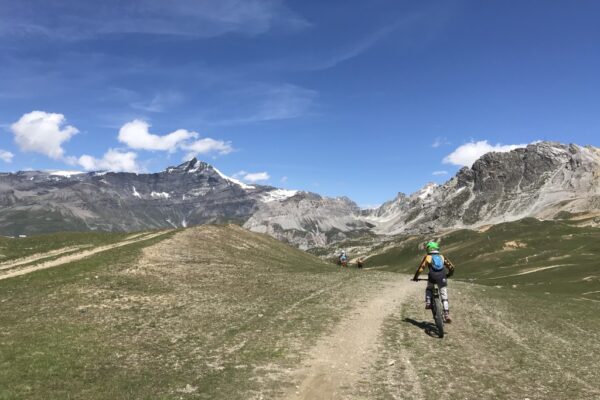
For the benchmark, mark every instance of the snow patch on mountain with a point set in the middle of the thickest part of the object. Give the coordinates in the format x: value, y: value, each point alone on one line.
x: 426, y: 191
x: 66, y: 174
x: 233, y: 180
x: 163, y: 195
x: 278, y: 195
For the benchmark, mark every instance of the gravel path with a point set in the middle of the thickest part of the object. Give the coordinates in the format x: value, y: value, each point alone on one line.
x: 340, y: 360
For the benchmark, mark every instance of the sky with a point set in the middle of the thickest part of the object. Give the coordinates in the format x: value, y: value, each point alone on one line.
x: 340, y: 97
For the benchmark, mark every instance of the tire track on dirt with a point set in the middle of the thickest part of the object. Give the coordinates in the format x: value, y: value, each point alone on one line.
x: 40, y: 256
x: 80, y: 255
x: 337, y: 361
x: 53, y: 253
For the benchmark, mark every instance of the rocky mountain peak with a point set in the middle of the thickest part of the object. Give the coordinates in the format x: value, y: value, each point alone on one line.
x: 191, y: 166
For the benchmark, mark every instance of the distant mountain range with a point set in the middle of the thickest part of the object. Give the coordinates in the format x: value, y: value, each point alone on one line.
x: 541, y: 180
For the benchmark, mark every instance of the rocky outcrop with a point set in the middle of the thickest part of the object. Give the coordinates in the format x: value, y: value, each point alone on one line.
x: 308, y: 220
x: 540, y: 180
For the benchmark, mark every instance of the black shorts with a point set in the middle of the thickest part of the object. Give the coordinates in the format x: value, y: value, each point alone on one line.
x: 438, y: 277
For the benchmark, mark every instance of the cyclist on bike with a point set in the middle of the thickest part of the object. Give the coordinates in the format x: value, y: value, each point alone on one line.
x: 437, y: 265
x: 343, y: 258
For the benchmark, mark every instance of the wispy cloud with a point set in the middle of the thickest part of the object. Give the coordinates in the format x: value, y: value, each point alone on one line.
x: 355, y: 49
x: 258, y: 102
x: 6, y: 156
x: 439, y: 173
x: 160, y: 102
x: 440, y: 141
x: 74, y: 19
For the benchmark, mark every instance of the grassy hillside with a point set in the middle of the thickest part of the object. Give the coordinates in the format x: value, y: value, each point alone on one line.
x: 212, y: 312
x: 12, y: 248
x: 538, y: 256
x: 219, y: 312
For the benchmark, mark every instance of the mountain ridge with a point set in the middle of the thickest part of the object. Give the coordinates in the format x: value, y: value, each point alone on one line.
x: 541, y: 180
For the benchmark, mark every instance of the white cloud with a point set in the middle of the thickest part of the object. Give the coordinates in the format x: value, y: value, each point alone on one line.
x: 6, y: 156
x: 440, y: 141
x: 113, y: 160
x: 252, y: 177
x: 257, y: 176
x: 284, y: 179
x: 468, y: 153
x: 43, y: 132
x: 438, y: 173
x: 206, y: 146
x: 136, y: 135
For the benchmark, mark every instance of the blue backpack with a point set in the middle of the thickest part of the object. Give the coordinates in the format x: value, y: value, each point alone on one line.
x: 437, y: 262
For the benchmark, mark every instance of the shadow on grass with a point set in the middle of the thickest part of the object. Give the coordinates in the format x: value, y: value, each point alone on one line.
x: 429, y: 327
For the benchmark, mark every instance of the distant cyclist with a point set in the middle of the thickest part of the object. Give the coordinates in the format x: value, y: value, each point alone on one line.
x: 343, y: 259
x: 437, y: 265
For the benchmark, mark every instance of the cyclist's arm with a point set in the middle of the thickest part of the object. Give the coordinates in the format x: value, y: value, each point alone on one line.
x: 448, y: 264
x: 420, y: 268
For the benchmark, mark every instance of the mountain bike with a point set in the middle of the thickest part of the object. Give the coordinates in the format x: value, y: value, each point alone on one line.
x: 436, y: 309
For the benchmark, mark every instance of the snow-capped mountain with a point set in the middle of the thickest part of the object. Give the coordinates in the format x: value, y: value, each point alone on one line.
x: 541, y: 180
x: 189, y: 194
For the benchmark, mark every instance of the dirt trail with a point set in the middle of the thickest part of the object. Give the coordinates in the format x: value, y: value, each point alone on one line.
x: 53, y: 253
x: 73, y: 257
x: 37, y: 257
x: 339, y: 360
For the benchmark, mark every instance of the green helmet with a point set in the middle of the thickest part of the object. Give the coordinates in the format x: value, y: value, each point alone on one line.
x: 432, y: 246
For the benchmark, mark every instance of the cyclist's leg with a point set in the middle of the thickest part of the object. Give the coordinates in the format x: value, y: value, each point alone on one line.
x: 428, y: 294
x: 446, y: 303
x: 440, y: 278
x: 444, y: 296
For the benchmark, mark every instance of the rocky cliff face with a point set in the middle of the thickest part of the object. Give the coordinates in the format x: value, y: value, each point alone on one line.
x: 308, y: 220
x: 538, y: 181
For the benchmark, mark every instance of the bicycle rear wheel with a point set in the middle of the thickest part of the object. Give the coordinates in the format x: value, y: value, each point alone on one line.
x: 438, y: 316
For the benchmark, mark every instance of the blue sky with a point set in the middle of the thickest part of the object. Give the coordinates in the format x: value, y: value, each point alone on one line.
x: 355, y: 98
